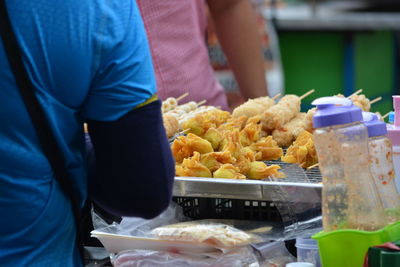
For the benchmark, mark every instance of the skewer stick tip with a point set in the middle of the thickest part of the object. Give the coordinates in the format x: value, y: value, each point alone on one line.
x: 307, y: 94
x: 385, y: 116
x: 201, y: 103
x: 182, y: 97
x: 276, y: 96
x: 375, y: 100
x: 313, y: 166
x: 355, y: 93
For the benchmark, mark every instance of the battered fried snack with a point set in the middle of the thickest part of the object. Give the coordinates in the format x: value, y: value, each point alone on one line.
x: 309, y: 126
x: 171, y: 125
x: 185, y: 146
x: 268, y: 148
x: 214, y: 137
x: 192, y: 167
x: 229, y: 171
x: 362, y: 102
x: 251, y: 132
x: 200, y: 123
x: 302, y: 151
x: 276, y: 116
x: 259, y: 170
x: 253, y: 107
x: 285, y: 135
x: 215, y: 160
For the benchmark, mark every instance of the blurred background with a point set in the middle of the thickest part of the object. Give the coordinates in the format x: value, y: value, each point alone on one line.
x: 335, y: 46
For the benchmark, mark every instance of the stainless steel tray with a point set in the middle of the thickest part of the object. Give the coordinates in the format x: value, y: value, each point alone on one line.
x: 299, y: 186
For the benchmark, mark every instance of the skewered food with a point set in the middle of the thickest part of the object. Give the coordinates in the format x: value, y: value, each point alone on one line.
x: 200, y: 123
x: 362, y: 102
x: 192, y: 167
x: 185, y: 146
x: 229, y: 171
x: 171, y: 125
x: 285, y: 135
x: 302, y: 151
x: 253, y: 107
x: 276, y: 116
x: 309, y: 126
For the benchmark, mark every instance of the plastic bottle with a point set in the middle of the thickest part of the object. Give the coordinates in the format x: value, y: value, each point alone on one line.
x: 381, y: 165
x: 393, y: 133
x: 349, y: 196
x: 391, y: 117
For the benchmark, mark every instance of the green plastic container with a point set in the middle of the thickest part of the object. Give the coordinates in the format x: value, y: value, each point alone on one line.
x: 347, y: 248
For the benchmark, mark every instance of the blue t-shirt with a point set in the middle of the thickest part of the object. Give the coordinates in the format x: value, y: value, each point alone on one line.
x: 87, y: 60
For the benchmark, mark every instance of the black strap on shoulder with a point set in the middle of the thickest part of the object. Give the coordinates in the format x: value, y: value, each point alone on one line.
x: 42, y: 126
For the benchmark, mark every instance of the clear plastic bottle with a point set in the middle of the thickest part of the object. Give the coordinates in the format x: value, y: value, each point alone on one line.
x: 381, y: 165
x: 349, y: 196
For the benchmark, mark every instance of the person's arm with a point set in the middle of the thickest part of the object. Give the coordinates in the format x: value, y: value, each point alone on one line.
x: 236, y: 28
x: 134, y: 167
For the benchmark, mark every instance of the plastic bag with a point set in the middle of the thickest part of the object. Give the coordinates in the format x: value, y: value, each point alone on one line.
x: 140, y: 227
x: 274, y: 254
x: 140, y: 258
x: 206, y: 232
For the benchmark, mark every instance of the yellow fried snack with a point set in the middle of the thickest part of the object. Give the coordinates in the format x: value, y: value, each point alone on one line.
x: 259, y: 170
x: 228, y: 171
x: 171, y: 125
x: 214, y: 137
x: 251, y: 132
x: 215, y: 160
x: 200, y: 123
x: 184, y: 146
x: 268, y: 148
x: 192, y: 167
x: 232, y: 144
x: 285, y: 135
x: 276, y: 116
x: 302, y: 151
x: 253, y: 107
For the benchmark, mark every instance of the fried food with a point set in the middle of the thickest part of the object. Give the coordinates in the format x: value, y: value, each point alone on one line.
x: 232, y: 143
x: 215, y: 160
x: 251, y: 132
x: 232, y: 124
x: 229, y: 171
x: 302, y: 151
x: 171, y: 125
x: 192, y: 167
x: 259, y: 170
x: 361, y: 101
x: 276, y: 116
x: 200, y: 123
x: 253, y: 107
x: 214, y: 137
x: 285, y: 135
x: 309, y: 126
x: 185, y: 146
x: 268, y: 148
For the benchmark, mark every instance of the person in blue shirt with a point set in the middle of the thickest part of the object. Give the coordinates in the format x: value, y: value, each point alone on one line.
x: 89, y: 61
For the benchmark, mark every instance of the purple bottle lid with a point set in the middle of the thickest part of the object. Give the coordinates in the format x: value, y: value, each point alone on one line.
x: 375, y: 126
x: 333, y: 110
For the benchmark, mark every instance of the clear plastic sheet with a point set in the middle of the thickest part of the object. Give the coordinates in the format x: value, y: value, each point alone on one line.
x: 141, y: 258
x: 274, y: 254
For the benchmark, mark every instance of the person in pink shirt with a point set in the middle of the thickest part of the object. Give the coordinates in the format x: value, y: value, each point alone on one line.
x: 176, y: 31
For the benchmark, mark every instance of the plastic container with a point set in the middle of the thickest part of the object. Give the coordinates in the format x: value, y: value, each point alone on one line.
x: 347, y: 248
x: 349, y: 196
x: 393, y: 133
x: 381, y: 165
x: 307, y: 251
x: 391, y: 117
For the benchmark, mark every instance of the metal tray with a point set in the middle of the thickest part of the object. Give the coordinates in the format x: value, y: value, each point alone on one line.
x: 299, y: 186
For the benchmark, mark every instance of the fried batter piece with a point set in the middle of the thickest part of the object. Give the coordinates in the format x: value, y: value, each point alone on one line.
x: 268, y: 148
x: 215, y: 160
x: 214, y: 137
x: 251, y: 132
x: 192, y: 167
x: 171, y: 125
x: 229, y: 171
x: 232, y: 143
x: 200, y: 123
x: 302, y: 151
x: 285, y: 135
x: 184, y: 146
x: 259, y: 170
x: 253, y: 107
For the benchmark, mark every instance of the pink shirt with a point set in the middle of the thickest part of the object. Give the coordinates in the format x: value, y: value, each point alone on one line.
x: 176, y: 32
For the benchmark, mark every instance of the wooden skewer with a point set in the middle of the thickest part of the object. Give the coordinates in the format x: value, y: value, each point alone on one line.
x: 277, y: 96
x: 375, y: 100
x: 201, y: 103
x: 355, y: 93
x: 182, y: 97
x: 313, y: 166
x: 307, y: 94
x: 384, y: 116
x: 185, y: 131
